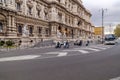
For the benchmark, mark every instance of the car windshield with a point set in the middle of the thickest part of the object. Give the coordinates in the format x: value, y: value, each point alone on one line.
x: 109, y: 37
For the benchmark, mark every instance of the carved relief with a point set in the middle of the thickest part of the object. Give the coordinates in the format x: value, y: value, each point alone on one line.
x: 30, y: 3
x: 19, y: 1
x: 46, y: 10
x: 38, y: 7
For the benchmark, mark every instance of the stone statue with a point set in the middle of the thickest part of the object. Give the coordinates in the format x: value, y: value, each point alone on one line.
x: 59, y: 34
x: 25, y: 31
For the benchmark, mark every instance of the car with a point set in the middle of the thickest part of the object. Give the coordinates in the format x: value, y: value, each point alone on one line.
x: 110, y: 39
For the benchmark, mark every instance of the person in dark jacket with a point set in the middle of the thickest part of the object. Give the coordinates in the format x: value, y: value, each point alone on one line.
x: 87, y: 43
x: 80, y: 43
x: 58, y: 45
x: 66, y: 44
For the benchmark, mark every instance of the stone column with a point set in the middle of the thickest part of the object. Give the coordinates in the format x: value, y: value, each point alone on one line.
x: 42, y: 12
x: 11, y: 29
x: 53, y: 30
x: 63, y: 18
x: 14, y: 26
x: 35, y: 31
x: 8, y: 25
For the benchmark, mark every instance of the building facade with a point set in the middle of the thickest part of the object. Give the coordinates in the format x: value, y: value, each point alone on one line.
x: 99, y: 32
x: 44, y: 19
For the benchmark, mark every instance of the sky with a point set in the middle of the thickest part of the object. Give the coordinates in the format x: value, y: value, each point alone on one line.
x: 111, y: 12
x: 111, y: 15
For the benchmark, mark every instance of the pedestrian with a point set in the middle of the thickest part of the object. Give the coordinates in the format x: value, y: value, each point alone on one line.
x: 58, y: 45
x: 80, y: 43
x: 87, y: 43
x: 66, y: 44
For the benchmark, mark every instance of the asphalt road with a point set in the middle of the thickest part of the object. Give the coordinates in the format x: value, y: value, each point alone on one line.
x: 97, y: 65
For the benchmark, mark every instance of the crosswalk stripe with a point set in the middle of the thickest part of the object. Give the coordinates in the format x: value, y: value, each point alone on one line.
x: 62, y: 54
x: 16, y: 58
x: 96, y: 47
x: 93, y: 49
x: 83, y: 51
x: 59, y: 54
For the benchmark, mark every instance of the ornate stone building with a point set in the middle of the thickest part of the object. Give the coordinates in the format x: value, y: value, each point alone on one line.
x: 44, y: 19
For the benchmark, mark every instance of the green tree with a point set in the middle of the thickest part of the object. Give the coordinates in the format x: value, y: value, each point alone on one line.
x: 2, y: 43
x: 117, y: 30
x: 9, y: 43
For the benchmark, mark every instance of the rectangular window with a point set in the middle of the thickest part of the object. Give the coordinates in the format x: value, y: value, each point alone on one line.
x: 18, y: 6
x: 30, y: 10
x: 38, y: 13
x: 40, y: 30
x: 1, y: 27
x: 31, y: 30
x: 20, y: 29
x: 0, y: 1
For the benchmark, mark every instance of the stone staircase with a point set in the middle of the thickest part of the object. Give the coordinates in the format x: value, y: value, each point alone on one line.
x: 48, y: 43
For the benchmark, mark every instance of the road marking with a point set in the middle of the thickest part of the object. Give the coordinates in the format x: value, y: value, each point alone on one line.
x: 79, y: 50
x: 83, y: 51
x: 16, y: 58
x: 98, y: 47
x: 93, y: 49
x: 117, y: 78
x: 62, y: 54
x: 59, y: 54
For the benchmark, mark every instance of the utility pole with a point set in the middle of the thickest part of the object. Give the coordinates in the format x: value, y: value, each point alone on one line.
x: 103, y: 11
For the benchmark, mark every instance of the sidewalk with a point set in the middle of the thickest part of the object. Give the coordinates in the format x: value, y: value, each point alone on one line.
x: 44, y: 46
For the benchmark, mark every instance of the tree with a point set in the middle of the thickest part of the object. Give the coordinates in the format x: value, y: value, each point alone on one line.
x: 9, y: 43
x: 2, y: 43
x: 117, y: 30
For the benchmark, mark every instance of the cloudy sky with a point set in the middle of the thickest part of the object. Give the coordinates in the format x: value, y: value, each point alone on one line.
x: 111, y: 16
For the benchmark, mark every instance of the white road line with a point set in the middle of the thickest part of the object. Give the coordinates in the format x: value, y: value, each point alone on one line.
x: 93, y: 49
x: 83, y: 51
x: 98, y: 47
x: 117, y: 78
x: 16, y: 58
x: 59, y: 54
x: 79, y: 50
x: 62, y: 54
